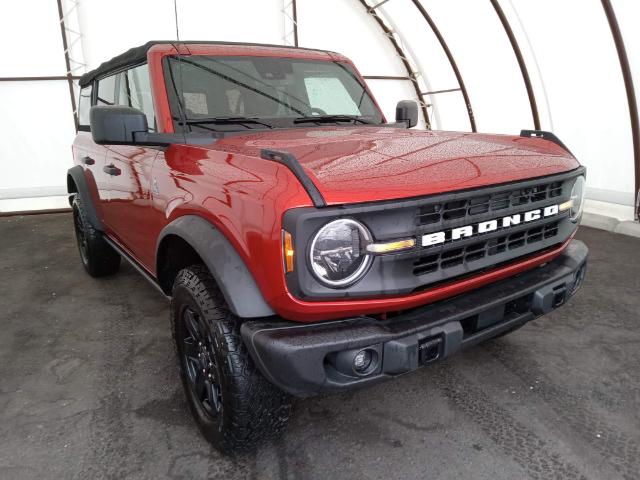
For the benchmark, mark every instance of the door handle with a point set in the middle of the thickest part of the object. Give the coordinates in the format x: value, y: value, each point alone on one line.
x: 88, y: 160
x: 111, y: 170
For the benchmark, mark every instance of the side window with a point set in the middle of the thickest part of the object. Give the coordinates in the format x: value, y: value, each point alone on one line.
x: 84, y: 105
x: 106, y: 91
x: 330, y: 95
x: 135, y: 91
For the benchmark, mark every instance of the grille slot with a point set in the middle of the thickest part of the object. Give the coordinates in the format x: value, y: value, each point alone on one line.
x: 470, y: 253
x: 480, y: 204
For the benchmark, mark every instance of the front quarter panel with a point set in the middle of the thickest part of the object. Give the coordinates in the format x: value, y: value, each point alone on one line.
x: 242, y: 197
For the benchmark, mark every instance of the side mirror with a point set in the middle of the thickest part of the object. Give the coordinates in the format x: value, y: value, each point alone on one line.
x: 407, y: 112
x: 116, y: 125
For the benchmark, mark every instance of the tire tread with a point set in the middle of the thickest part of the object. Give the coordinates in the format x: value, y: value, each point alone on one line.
x: 102, y: 259
x: 254, y: 410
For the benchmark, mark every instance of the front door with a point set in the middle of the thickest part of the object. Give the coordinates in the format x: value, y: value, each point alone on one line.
x: 128, y: 209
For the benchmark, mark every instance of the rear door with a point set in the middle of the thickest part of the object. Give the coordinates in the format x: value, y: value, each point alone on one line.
x: 105, y: 95
x: 128, y: 210
x: 89, y: 154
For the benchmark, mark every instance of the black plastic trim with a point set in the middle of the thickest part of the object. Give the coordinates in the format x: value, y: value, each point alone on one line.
x: 141, y: 270
x: 546, y: 136
x: 291, y: 162
x: 294, y: 356
x: 391, y: 274
x: 138, y: 55
x: 223, y: 261
x: 78, y: 176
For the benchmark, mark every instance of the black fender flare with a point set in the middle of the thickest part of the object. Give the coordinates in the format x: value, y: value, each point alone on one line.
x: 223, y: 261
x: 76, y: 174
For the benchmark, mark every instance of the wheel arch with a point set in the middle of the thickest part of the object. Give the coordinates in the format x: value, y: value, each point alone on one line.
x: 191, y: 239
x: 77, y: 184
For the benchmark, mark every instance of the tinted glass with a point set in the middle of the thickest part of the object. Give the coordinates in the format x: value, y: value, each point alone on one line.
x: 106, y: 91
x: 134, y: 90
x: 266, y: 88
x: 84, y: 105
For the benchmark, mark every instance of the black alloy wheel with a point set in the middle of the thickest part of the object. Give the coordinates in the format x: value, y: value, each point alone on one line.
x: 233, y: 404
x: 199, y: 362
x: 98, y: 257
x: 81, y: 236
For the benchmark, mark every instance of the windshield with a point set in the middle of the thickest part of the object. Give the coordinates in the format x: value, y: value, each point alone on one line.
x: 238, y: 93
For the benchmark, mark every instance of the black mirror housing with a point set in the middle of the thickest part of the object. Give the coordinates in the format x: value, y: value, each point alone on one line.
x: 117, y: 125
x: 407, y: 112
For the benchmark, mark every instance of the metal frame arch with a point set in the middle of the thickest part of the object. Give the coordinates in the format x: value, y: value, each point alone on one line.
x: 411, y: 74
x: 631, y: 95
x: 67, y: 61
x: 452, y: 62
x: 521, y: 63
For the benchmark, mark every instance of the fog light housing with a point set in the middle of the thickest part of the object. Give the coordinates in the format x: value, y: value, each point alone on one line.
x: 362, y: 361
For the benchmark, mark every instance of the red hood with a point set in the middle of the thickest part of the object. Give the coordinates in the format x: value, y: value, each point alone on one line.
x: 362, y: 164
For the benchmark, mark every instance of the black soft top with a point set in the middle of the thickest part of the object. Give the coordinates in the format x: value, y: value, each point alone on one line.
x: 138, y: 55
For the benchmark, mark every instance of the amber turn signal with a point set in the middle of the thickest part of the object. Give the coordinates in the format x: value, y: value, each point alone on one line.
x: 287, y: 248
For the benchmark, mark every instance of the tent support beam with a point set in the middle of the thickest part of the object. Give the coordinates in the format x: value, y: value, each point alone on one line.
x: 294, y: 12
x: 384, y: 77
x: 452, y: 62
x: 67, y: 62
x: 412, y: 76
x: 631, y: 95
x: 447, y: 90
x: 521, y: 63
x: 36, y: 79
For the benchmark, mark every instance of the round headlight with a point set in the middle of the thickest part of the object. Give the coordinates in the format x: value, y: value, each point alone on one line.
x: 338, y: 253
x: 577, y: 198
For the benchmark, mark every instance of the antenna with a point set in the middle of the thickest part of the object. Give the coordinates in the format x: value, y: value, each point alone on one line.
x: 175, y: 16
x: 179, y: 92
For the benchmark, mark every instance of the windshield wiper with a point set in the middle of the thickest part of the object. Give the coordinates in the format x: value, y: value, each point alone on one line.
x: 331, y: 119
x: 226, y: 121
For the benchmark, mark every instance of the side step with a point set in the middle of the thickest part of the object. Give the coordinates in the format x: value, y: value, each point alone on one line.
x: 134, y: 264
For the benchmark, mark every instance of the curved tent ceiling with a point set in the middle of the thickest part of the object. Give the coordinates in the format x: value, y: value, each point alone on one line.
x: 504, y: 65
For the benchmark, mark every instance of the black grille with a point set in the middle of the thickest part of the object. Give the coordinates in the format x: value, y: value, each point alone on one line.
x: 477, y: 205
x: 501, y: 242
x: 479, y: 250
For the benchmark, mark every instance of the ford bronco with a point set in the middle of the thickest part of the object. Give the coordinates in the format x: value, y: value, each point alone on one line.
x: 307, y: 244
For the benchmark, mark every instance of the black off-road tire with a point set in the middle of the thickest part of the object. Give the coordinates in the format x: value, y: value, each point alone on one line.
x: 237, y: 408
x: 97, y: 256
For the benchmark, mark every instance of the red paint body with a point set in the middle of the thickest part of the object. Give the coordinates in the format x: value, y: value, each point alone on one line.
x: 245, y: 196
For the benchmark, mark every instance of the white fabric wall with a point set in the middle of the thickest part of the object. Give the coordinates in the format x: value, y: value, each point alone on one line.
x: 567, y: 46
x: 36, y: 124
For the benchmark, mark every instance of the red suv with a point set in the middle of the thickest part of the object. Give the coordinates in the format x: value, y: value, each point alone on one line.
x: 307, y: 244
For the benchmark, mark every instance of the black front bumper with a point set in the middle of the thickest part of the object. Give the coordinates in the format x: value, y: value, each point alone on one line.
x: 309, y: 359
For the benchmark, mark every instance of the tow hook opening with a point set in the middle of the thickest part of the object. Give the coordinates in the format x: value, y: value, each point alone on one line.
x: 579, y: 278
x: 430, y: 350
x: 559, y: 296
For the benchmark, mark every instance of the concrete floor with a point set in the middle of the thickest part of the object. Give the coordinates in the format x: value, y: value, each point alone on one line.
x: 89, y: 386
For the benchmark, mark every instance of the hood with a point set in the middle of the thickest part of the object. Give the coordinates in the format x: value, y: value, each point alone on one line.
x: 363, y: 164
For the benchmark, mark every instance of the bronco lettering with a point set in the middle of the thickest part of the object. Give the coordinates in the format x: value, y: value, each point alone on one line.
x: 437, y: 238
